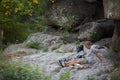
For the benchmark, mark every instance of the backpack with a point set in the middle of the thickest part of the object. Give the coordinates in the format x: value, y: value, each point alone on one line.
x: 79, y: 48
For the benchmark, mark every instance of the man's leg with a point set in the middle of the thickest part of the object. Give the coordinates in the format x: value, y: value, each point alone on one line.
x: 78, y: 61
x: 71, y: 63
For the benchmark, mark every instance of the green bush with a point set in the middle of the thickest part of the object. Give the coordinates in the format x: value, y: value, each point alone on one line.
x: 33, y: 44
x: 15, y: 32
x: 19, y: 71
x: 38, y: 24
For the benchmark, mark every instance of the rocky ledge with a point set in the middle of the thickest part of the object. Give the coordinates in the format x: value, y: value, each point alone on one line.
x: 50, y: 50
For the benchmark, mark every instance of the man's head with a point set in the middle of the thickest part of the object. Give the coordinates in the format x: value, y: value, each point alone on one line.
x: 88, y: 44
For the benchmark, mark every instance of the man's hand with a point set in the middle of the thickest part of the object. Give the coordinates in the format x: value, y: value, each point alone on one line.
x: 85, y: 55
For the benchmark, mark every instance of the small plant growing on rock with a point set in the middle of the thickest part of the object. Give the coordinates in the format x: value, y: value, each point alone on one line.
x: 33, y: 44
x: 45, y: 49
x: 58, y: 51
x: 90, y: 78
x: 115, y: 75
x: 93, y: 35
x: 65, y: 76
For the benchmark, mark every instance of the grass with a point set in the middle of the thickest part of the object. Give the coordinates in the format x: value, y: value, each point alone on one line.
x: 115, y: 57
x: 45, y: 49
x: 33, y: 44
x: 92, y: 35
x: 58, y: 51
x: 90, y: 78
x: 78, y: 43
x: 115, y: 75
x: 65, y: 76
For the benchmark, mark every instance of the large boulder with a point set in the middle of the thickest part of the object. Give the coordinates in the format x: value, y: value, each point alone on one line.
x: 104, y: 42
x: 69, y: 13
x: 94, y: 31
x: 45, y: 40
x: 112, y: 9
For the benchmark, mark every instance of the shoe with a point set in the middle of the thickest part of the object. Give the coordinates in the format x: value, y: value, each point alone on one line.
x: 61, y: 63
x: 67, y: 59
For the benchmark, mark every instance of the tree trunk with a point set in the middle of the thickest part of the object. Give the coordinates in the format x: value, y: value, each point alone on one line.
x: 112, y: 11
x: 116, y: 37
x: 1, y: 36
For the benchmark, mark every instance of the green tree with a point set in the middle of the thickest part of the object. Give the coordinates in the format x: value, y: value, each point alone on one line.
x: 15, y: 12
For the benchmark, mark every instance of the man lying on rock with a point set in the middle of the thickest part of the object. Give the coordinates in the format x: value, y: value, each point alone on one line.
x: 89, y: 54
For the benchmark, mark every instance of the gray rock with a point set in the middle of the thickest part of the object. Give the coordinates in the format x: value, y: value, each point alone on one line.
x: 112, y: 9
x: 82, y: 74
x: 68, y: 13
x: 45, y: 40
x: 19, y: 49
x: 68, y: 47
x: 90, y: 1
x: 94, y: 31
x: 104, y: 42
x: 102, y: 77
x: 70, y: 38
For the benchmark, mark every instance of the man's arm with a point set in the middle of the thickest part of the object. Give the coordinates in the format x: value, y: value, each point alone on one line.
x: 98, y: 56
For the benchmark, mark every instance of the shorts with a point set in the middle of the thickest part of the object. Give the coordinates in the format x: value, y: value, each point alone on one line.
x: 83, y: 61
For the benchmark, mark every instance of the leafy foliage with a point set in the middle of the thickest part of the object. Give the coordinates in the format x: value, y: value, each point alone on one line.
x: 15, y: 32
x: 38, y: 24
x: 16, y: 15
x: 19, y: 71
x: 13, y: 7
x: 33, y: 44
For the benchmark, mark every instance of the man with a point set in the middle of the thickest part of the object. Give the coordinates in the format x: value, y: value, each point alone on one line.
x: 90, y: 53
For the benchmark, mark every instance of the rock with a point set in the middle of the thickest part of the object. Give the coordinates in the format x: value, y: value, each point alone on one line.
x: 104, y: 42
x: 90, y: 1
x: 13, y: 48
x: 82, y: 74
x: 51, y: 29
x: 112, y: 9
x: 70, y: 38
x: 68, y: 47
x: 69, y: 13
x: 103, y: 77
x: 19, y: 49
x: 105, y: 68
x: 94, y: 31
x: 55, y: 46
x: 45, y: 40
